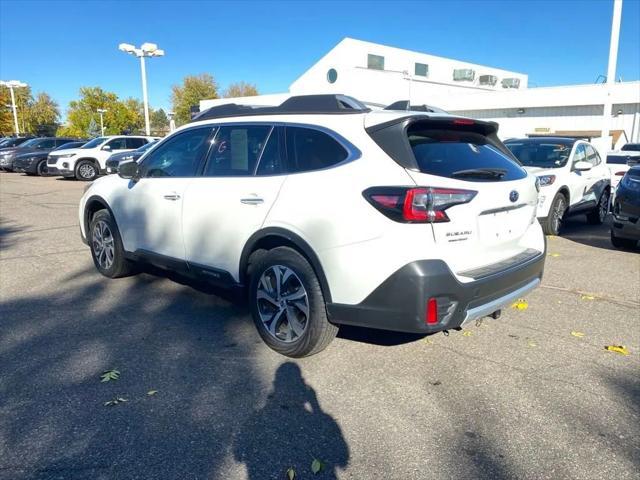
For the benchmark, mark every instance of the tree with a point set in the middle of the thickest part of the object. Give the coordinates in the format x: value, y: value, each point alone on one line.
x: 241, y: 89
x: 193, y: 89
x: 159, y: 121
x: 120, y: 116
x: 6, y: 115
x: 42, y: 115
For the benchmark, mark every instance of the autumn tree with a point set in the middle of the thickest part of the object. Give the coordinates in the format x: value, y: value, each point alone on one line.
x: 6, y: 115
x: 120, y: 116
x: 159, y: 121
x: 193, y: 89
x: 42, y: 115
x: 240, y: 89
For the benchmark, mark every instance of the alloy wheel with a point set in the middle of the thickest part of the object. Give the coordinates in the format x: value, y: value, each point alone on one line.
x: 103, y: 244
x: 283, y: 303
x: 42, y: 168
x: 558, y: 213
x: 87, y: 171
x: 603, y: 206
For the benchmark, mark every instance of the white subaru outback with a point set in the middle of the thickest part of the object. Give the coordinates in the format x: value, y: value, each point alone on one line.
x: 573, y: 179
x: 328, y: 213
x: 89, y: 160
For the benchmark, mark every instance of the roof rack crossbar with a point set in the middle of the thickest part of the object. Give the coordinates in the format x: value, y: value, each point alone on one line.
x: 404, y: 105
x: 301, y: 104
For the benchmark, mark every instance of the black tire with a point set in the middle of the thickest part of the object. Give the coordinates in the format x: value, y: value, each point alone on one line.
x: 553, y: 223
x: 86, y: 170
x: 317, y: 332
x: 626, y: 243
x: 42, y: 169
x: 599, y: 214
x: 119, y: 266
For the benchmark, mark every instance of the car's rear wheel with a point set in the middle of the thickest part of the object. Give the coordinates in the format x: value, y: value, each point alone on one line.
x: 553, y: 223
x: 106, y: 246
x: 86, y: 170
x: 41, y: 168
x: 622, y: 242
x: 599, y: 214
x: 287, y: 304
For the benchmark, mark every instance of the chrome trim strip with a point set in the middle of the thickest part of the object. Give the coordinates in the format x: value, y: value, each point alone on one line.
x: 488, y: 308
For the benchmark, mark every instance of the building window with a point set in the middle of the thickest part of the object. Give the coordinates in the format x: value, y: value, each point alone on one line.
x: 332, y: 75
x: 463, y: 74
x: 511, y: 83
x: 422, y: 70
x: 375, y: 62
x: 488, y: 80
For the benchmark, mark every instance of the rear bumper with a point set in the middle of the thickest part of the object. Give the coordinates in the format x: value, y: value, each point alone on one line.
x: 399, y: 303
x: 625, y: 228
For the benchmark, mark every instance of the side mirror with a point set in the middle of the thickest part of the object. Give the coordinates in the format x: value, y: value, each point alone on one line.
x: 582, y: 166
x: 129, y: 170
x: 106, y: 148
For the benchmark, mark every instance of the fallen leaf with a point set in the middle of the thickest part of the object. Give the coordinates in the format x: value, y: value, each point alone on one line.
x: 554, y: 254
x: 532, y: 343
x: 110, y: 375
x: 466, y: 333
x: 291, y: 474
x: 577, y: 334
x: 114, y: 402
x: 520, y: 304
x: 587, y: 297
x: 428, y: 341
x: 316, y: 466
x: 618, y: 349
x: 152, y: 392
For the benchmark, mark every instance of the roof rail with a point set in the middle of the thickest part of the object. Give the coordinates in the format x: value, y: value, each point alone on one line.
x: 329, y: 104
x: 404, y: 105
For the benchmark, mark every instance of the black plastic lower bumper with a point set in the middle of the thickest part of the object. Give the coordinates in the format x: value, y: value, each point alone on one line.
x: 400, y: 302
x: 628, y: 229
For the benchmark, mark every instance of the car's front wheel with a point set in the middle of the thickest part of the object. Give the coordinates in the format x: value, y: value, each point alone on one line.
x: 287, y: 304
x: 106, y: 246
x: 41, y: 168
x: 86, y: 170
x: 553, y: 223
x: 599, y: 214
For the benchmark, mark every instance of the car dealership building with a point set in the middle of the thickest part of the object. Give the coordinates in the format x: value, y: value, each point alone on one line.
x: 379, y: 75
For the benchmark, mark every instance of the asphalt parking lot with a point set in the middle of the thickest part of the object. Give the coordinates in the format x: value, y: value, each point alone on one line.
x: 525, y: 396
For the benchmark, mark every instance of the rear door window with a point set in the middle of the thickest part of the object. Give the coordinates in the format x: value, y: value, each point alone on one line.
x: 135, y: 143
x: 309, y: 149
x: 236, y: 150
x: 460, y: 154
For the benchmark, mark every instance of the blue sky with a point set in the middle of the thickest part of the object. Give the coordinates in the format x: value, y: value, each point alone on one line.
x: 59, y: 46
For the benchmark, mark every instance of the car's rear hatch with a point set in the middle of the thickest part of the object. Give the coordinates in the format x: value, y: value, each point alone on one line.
x: 447, y: 155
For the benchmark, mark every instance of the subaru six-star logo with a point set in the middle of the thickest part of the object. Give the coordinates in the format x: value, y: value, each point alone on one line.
x: 513, y: 196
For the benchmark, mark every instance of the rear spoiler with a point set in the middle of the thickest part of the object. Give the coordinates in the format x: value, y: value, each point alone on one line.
x: 393, y: 139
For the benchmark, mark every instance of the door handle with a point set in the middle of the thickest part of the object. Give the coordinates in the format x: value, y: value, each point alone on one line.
x: 172, y: 196
x: 252, y: 201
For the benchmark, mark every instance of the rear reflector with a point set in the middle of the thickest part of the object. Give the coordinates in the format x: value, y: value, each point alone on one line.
x: 620, y: 174
x: 432, y: 311
x: 463, y: 121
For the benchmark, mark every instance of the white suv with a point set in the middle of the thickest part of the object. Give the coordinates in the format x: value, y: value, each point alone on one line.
x: 328, y: 214
x: 573, y: 179
x: 89, y: 160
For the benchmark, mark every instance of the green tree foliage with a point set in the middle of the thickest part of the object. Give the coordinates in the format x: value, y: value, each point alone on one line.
x: 240, y: 89
x: 121, y: 116
x: 6, y: 115
x: 159, y: 122
x: 42, y: 115
x: 193, y: 89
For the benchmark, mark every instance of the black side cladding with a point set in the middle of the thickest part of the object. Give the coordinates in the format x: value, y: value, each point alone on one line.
x: 393, y: 139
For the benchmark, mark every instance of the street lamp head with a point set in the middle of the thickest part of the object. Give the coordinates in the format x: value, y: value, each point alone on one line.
x: 157, y: 53
x: 149, y: 48
x: 126, y: 47
x: 13, y: 84
x: 101, y: 110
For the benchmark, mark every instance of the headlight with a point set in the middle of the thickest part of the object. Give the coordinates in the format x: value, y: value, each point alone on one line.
x: 546, y: 180
x: 29, y: 159
x: 67, y: 155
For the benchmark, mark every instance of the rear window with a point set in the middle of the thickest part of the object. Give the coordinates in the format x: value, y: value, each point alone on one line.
x: 461, y: 154
x: 631, y: 147
x: 617, y: 159
x: 541, y: 154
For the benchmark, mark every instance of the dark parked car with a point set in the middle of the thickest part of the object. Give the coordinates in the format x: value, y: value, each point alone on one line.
x: 35, y: 162
x: 11, y: 142
x: 7, y: 155
x: 117, y: 158
x: 625, y: 230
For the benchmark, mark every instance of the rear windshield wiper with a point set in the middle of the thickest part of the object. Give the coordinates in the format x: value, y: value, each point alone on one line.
x: 481, y: 173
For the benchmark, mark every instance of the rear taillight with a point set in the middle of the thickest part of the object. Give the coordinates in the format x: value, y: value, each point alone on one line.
x: 417, y: 205
x: 620, y: 174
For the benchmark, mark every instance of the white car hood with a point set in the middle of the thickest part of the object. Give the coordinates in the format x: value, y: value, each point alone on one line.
x: 538, y: 171
x: 67, y: 151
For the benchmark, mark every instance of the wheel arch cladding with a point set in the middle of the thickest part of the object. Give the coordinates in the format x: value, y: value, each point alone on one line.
x: 564, y: 190
x: 272, y: 237
x: 92, y: 205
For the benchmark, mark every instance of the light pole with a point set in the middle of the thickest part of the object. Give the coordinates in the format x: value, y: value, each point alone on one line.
x: 172, y: 122
x: 611, y: 72
x: 145, y: 50
x: 101, y: 111
x: 11, y: 84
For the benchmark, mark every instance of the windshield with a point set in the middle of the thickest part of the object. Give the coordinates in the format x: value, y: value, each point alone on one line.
x: 34, y: 142
x: 94, y: 143
x: 631, y: 147
x: 70, y: 145
x: 541, y: 154
x: 146, y: 146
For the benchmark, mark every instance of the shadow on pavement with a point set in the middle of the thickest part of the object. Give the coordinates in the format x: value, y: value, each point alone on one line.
x: 579, y: 230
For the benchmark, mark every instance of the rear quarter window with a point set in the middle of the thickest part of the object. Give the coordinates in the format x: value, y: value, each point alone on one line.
x: 448, y: 153
x: 309, y: 149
